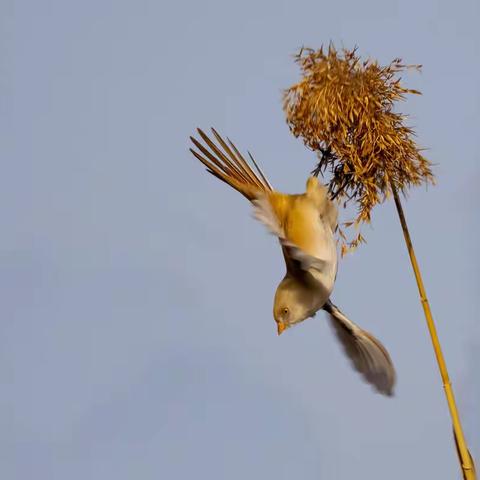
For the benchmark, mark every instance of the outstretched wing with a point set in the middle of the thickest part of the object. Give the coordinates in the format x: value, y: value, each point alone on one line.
x: 368, y: 356
x: 272, y: 211
x: 224, y: 161
x: 227, y: 164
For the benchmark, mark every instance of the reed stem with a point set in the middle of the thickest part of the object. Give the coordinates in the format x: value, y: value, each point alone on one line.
x: 466, y: 461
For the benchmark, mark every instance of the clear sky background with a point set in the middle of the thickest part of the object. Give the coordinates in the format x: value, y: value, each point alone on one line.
x: 137, y: 339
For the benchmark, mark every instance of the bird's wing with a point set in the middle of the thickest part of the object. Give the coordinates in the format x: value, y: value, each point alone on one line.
x: 272, y: 211
x: 224, y: 161
x: 368, y: 356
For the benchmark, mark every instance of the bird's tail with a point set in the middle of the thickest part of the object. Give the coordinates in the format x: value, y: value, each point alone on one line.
x: 368, y: 356
x: 227, y: 163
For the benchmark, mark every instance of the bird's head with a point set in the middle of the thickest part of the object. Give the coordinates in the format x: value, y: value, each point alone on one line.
x: 292, y: 304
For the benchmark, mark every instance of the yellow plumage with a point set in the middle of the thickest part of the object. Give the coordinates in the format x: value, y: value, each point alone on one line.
x: 305, y: 225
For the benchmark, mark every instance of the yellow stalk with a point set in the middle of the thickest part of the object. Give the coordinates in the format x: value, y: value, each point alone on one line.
x: 466, y: 461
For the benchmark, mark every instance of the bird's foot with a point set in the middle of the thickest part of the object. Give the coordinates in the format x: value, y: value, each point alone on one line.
x: 316, y: 171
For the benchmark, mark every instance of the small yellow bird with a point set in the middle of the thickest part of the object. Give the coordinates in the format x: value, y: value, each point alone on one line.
x: 305, y: 226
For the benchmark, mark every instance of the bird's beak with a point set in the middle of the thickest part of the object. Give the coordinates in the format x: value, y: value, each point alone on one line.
x: 280, y: 327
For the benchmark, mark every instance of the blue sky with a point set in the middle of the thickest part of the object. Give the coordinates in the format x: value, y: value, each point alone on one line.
x: 137, y: 338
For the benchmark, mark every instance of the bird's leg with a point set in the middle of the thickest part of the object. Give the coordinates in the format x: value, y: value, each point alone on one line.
x: 325, y: 155
x: 340, y: 189
x: 317, y: 170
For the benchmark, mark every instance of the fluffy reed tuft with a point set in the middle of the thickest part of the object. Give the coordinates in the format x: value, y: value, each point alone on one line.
x: 343, y: 109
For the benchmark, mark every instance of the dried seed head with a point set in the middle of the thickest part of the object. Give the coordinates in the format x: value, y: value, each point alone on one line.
x: 343, y: 109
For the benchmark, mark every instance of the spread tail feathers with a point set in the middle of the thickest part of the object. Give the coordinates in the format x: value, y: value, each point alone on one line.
x: 228, y: 164
x: 367, y: 355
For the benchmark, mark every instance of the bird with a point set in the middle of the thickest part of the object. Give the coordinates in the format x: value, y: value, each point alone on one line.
x: 305, y: 225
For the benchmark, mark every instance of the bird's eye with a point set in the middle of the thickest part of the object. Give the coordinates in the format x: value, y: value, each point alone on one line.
x: 285, y: 311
